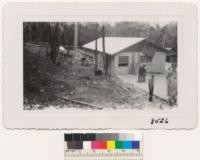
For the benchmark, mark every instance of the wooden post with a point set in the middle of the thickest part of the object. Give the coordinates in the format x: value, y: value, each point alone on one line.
x: 104, y: 53
x: 96, y: 52
x: 138, y: 57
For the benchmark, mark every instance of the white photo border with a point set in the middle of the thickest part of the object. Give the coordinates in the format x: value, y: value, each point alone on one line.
x: 14, y: 14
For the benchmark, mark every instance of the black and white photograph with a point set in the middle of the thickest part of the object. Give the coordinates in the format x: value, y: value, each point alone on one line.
x: 100, y: 65
x: 99, y: 80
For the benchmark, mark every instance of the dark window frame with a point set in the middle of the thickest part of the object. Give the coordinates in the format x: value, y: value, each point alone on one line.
x: 121, y: 63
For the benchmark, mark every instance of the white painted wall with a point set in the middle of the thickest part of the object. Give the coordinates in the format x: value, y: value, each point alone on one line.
x: 123, y: 69
x: 158, y: 63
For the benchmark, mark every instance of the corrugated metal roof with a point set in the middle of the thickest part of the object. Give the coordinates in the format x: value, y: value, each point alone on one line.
x: 149, y: 50
x: 113, y: 44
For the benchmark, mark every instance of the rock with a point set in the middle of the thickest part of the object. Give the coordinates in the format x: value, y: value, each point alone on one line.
x: 27, y: 107
x: 95, y: 82
x: 70, y: 93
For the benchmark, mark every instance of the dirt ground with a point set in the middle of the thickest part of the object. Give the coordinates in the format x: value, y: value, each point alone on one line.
x: 44, y: 83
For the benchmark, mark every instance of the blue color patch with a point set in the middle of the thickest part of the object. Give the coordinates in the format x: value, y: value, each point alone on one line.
x: 127, y: 145
x: 135, y: 144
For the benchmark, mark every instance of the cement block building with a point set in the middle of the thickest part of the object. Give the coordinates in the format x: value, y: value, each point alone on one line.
x: 126, y: 54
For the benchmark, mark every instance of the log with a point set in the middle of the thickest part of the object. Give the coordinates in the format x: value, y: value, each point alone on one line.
x: 121, y: 84
x: 81, y: 102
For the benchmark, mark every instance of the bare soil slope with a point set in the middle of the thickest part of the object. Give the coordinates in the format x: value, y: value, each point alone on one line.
x: 44, y: 83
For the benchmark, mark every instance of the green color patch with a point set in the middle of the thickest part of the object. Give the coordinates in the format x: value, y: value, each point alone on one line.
x: 119, y: 144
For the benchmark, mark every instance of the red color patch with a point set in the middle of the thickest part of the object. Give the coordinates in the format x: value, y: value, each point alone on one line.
x: 103, y: 145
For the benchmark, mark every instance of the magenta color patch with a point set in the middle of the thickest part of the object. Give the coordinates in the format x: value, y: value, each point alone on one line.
x: 95, y: 144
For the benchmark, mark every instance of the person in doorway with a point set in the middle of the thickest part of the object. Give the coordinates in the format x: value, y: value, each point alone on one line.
x: 151, y: 87
x: 140, y: 75
x: 144, y: 71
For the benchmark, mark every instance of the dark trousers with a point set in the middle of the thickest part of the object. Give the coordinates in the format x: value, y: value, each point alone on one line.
x: 151, y: 94
x: 139, y: 78
x: 143, y: 77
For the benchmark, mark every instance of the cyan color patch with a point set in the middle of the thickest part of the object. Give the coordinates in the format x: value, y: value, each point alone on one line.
x: 127, y: 145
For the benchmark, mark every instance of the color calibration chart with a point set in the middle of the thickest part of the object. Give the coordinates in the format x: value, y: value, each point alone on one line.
x: 103, y: 146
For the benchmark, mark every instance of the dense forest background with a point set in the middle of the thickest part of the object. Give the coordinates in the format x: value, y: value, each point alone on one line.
x: 63, y: 32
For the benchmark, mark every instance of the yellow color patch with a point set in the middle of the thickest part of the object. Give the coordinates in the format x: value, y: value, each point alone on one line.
x: 110, y: 144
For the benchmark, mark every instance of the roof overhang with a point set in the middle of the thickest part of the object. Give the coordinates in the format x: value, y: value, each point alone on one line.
x: 113, y: 45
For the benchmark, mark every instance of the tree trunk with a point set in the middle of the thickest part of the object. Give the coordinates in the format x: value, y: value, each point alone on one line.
x: 75, y: 40
x: 30, y: 34
x: 75, y: 35
x: 164, y: 40
x: 53, y: 54
x: 54, y: 43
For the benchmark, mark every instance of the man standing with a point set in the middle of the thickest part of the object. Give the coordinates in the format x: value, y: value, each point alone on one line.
x: 151, y: 87
x: 168, y: 78
x: 173, y: 91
